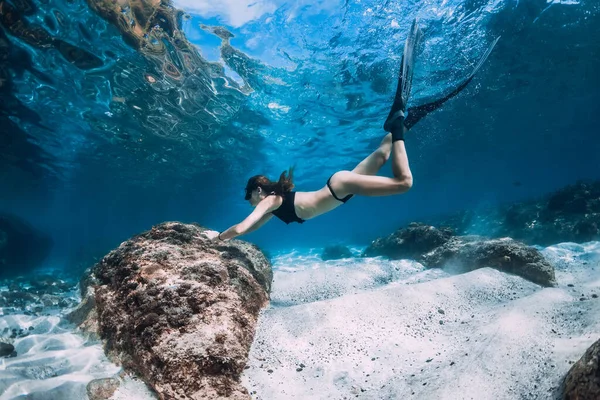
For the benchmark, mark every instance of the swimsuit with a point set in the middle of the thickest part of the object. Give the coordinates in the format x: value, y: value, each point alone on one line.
x: 287, y: 212
x: 345, y: 199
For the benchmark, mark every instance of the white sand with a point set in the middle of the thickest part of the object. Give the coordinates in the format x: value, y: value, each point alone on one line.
x: 505, y: 337
x: 52, y: 362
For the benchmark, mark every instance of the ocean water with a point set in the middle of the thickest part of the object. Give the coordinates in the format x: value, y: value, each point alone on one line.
x: 93, y: 155
x: 109, y: 127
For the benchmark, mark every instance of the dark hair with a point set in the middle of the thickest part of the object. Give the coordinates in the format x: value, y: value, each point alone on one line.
x: 284, y: 184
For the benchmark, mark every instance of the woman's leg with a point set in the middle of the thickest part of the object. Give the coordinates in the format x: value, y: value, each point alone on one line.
x: 361, y: 180
x: 373, y: 163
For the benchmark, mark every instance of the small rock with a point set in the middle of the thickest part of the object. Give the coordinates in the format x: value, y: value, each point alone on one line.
x: 441, y: 311
x: 6, y: 349
x: 335, y: 252
x: 101, y: 389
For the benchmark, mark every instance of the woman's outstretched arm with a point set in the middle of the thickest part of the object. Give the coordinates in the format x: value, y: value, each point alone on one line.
x: 256, y: 219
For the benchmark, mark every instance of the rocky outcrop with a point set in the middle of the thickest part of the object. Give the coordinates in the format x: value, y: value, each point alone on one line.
x: 411, y: 242
x: 435, y: 247
x: 335, y: 252
x: 467, y: 253
x: 571, y: 214
x: 583, y: 379
x: 179, y: 310
x: 22, y: 247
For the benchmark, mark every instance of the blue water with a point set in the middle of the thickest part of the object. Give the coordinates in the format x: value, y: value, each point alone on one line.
x: 95, y: 155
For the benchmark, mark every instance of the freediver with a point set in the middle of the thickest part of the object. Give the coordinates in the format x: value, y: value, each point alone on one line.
x: 277, y: 198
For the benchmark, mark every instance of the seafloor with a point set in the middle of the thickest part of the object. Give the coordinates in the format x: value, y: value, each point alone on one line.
x: 353, y: 328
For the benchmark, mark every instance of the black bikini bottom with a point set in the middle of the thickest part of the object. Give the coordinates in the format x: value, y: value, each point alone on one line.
x: 345, y: 199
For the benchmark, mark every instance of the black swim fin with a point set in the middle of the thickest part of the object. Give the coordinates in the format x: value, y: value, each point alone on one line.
x: 404, y: 79
x: 415, y: 114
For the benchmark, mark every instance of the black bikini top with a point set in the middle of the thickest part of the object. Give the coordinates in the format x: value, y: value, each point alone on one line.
x: 286, y: 212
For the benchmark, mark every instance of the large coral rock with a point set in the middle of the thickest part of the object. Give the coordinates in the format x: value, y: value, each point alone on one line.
x: 22, y: 247
x: 180, y: 310
x: 435, y: 247
x: 583, y: 380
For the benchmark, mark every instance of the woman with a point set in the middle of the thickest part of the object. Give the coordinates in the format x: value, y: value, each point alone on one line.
x: 278, y: 199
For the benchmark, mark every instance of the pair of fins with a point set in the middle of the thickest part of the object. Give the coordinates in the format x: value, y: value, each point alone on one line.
x: 414, y: 114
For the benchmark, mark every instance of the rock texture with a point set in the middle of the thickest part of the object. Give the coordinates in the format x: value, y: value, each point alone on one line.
x: 467, y: 253
x: 435, y: 247
x: 102, y: 389
x: 412, y: 242
x: 22, y: 247
x: 571, y: 214
x: 180, y: 310
x: 335, y: 252
x: 583, y: 380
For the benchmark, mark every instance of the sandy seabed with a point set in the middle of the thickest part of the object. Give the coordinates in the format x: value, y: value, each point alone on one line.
x: 366, y: 328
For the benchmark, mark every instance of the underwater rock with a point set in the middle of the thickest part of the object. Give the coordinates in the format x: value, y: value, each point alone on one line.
x: 583, y: 379
x: 467, y: 253
x: 6, y: 349
x: 335, y: 252
x: 571, y: 214
x: 102, y: 389
x: 85, y: 315
x: 410, y: 242
x: 22, y: 247
x: 435, y: 247
x: 180, y: 310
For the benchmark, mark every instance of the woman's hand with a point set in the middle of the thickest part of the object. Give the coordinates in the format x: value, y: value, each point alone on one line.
x: 211, y: 235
